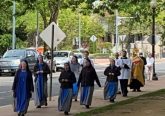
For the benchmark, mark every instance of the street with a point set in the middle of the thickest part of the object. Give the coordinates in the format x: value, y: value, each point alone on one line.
x: 6, y: 83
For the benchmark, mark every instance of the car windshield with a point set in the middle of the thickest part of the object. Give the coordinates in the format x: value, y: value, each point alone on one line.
x: 60, y: 54
x: 14, y: 53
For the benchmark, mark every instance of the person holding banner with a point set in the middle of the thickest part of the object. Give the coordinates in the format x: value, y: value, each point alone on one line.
x: 41, y: 70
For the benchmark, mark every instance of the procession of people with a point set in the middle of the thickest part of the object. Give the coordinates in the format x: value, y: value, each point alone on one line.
x: 122, y: 72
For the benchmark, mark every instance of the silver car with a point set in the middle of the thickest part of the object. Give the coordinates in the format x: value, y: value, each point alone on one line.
x: 10, y: 61
x: 62, y: 57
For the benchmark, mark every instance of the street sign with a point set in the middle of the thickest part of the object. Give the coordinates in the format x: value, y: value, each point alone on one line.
x: 46, y: 35
x: 157, y: 38
x: 93, y: 38
x: 122, y: 37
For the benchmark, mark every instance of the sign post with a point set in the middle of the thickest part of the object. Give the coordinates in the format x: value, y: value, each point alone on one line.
x: 122, y: 38
x: 52, y: 35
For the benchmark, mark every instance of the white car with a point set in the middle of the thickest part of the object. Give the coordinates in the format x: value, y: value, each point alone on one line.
x: 62, y: 57
x: 79, y: 56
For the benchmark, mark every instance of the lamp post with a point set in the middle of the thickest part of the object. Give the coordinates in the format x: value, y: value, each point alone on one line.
x: 153, y: 6
x: 79, y: 25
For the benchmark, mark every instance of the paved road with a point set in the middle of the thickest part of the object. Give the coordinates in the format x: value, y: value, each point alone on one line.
x: 6, y: 83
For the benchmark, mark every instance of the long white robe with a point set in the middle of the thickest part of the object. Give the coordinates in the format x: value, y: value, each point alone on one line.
x: 125, y: 73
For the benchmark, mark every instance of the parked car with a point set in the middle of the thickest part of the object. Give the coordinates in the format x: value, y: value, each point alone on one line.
x: 79, y: 56
x: 10, y: 61
x: 47, y: 59
x: 62, y: 57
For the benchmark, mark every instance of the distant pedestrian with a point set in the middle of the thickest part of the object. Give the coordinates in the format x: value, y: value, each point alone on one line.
x: 137, y: 79
x: 86, y: 56
x: 22, y: 88
x: 76, y: 68
x: 111, y: 85
x: 41, y: 70
x: 149, y: 66
x: 125, y: 65
x: 66, y: 79
x: 87, y: 77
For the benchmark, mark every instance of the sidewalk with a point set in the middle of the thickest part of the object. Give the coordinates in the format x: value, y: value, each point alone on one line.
x: 98, y: 101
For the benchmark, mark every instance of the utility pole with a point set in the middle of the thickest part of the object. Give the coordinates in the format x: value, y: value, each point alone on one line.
x: 116, y: 29
x: 79, y: 29
x: 117, y: 23
x: 37, y: 35
x: 13, y: 32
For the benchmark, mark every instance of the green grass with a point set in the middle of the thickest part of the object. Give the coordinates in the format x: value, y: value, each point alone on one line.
x: 128, y: 101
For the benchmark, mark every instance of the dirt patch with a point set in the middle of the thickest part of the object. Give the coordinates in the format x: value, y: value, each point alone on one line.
x: 143, y: 106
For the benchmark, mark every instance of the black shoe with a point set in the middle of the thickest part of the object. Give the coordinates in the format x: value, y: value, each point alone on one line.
x: 87, y: 106
x: 124, y: 95
x: 134, y: 90
x: 75, y: 100
x: 46, y: 104
x: 138, y: 90
x: 119, y: 92
x: 66, y: 113
x: 112, y: 100
x: 38, y: 107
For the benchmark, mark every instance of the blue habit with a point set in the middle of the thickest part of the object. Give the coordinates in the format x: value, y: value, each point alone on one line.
x: 21, y: 92
x: 112, y: 89
x: 64, y: 96
x: 75, y: 89
x: 40, y: 88
x: 85, y: 93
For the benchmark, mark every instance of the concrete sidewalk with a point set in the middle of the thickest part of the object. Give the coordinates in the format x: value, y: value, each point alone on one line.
x: 52, y: 110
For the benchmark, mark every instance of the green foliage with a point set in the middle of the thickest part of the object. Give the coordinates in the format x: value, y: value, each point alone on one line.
x: 66, y: 11
x: 89, y: 26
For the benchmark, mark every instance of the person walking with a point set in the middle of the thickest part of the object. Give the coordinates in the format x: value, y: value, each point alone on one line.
x: 66, y: 79
x: 117, y: 63
x: 125, y: 65
x: 86, y: 79
x: 41, y: 70
x: 111, y: 85
x: 86, y: 56
x: 76, y: 68
x: 149, y: 66
x: 22, y: 88
x: 137, y: 78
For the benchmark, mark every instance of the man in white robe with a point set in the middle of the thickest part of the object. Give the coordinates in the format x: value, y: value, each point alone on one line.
x: 125, y: 65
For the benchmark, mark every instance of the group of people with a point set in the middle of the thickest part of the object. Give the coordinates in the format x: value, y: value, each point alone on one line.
x: 74, y: 78
x: 23, y: 85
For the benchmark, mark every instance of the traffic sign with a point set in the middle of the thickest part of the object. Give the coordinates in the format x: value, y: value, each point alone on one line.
x: 122, y: 37
x: 93, y: 38
x: 46, y: 35
x: 157, y: 38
